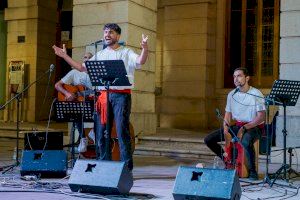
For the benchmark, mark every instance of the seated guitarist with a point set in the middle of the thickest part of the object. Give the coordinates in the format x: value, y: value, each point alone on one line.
x: 248, y: 112
x: 75, y: 78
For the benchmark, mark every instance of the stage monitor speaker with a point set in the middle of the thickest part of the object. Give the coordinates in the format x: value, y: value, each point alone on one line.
x: 101, y: 177
x: 204, y: 183
x: 41, y: 140
x: 47, y: 163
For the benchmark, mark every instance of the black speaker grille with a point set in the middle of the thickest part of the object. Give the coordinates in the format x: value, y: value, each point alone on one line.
x: 39, y: 140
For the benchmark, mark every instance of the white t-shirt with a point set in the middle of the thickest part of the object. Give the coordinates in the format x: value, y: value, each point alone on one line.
x: 75, y: 77
x: 122, y: 53
x: 244, y: 107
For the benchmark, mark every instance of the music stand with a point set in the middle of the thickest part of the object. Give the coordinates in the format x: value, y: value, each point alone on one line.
x: 287, y: 92
x: 67, y: 111
x: 107, y: 73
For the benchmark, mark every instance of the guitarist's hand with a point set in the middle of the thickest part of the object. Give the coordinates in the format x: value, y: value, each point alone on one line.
x: 240, y: 133
x: 227, y: 137
x: 69, y: 96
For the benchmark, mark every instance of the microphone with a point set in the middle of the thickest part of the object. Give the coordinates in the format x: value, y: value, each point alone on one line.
x: 234, y: 139
x: 52, y: 66
x: 98, y: 41
x: 236, y: 90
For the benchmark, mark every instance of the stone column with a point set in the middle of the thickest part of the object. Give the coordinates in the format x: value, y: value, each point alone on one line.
x: 134, y: 17
x: 186, y: 65
x: 35, y: 22
x: 289, y: 69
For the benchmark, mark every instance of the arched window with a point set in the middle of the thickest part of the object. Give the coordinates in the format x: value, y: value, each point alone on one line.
x: 252, y: 40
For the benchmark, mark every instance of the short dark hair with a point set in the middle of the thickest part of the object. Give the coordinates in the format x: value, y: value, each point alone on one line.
x: 245, y: 70
x: 113, y: 26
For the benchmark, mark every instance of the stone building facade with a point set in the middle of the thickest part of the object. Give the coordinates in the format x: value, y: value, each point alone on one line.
x: 187, y: 75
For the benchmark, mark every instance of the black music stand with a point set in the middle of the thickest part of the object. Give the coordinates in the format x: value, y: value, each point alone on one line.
x: 67, y: 111
x: 107, y: 73
x: 287, y: 92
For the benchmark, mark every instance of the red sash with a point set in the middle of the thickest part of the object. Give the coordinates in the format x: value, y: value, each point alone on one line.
x: 101, y: 104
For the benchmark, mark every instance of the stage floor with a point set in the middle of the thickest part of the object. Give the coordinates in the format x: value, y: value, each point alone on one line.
x: 153, y: 179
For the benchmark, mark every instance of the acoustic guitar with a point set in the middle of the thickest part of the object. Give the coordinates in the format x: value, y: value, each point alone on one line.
x: 79, y: 91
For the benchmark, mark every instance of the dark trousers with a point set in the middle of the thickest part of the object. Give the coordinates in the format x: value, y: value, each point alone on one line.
x: 120, y: 108
x: 247, y: 141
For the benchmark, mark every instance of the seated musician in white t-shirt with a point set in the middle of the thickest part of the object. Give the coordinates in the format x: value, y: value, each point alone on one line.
x: 249, y: 113
x: 75, y: 78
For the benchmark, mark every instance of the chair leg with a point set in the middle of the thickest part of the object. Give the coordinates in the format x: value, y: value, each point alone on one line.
x: 256, y: 149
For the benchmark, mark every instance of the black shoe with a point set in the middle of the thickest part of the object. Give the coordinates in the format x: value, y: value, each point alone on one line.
x: 253, y: 176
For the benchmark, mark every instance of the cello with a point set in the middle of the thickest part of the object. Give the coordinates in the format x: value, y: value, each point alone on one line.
x: 234, y: 156
x: 238, y: 161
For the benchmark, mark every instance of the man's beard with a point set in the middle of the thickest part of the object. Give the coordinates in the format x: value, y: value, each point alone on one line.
x: 110, y: 43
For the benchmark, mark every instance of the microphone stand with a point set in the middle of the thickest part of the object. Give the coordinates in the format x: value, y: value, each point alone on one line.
x: 226, y: 123
x: 96, y: 115
x: 96, y: 43
x: 18, y: 98
x: 267, y: 103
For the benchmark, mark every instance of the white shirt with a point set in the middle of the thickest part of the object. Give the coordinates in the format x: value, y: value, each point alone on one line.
x: 122, y: 53
x: 243, y: 106
x: 75, y: 77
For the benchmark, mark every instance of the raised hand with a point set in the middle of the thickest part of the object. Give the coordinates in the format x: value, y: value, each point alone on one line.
x: 61, y: 52
x: 144, y: 43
